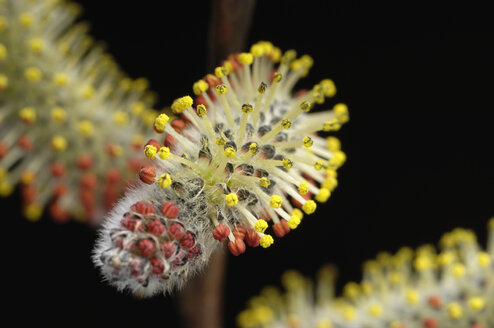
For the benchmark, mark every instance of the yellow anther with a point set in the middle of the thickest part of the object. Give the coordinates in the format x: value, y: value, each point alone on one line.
x: 58, y: 143
x: 308, y: 142
x: 298, y: 213
x: 324, y: 323
x: 229, y: 152
x: 375, y: 310
x: 137, y: 140
x: 33, y: 74
x: 3, y: 173
x: 303, y: 188
x: 341, y: 112
x: 287, y: 164
x: 366, y: 287
x: 412, y: 296
x: 296, y: 65
x: 221, y: 89
x: 164, y: 181
x: 264, y: 182
x: 164, y: 153
x: 484, y: 259
x: 266, y: 241
x: 286, y: 124
x: 3, y: 52
x: 445, y: 259
x: 328, y: 87
x: 319, y: 165
x: 323, y: 195
x: 337, y: 160
x: 36, y: 45
x: 395, y: 278
x: 228, y: 66
x: 331, y: 125
x: 126, y: 84
x: 88, y: 92
x: 257, y: 50
x: 137, y: 108
x: 490, y: 224
x: 231, y: 199
x: 293, y: 222
x: 28, y: 115
x: 245, y: 58
x: 275, y: 201
x: 201, y: 110
x: 260, y: 225
x: 117, y: 150
x: 396, y: 324
x: 120, y: 118
x: 141, y: 84
x: 181, y: 104
x: 306, y: 106
x: 309, y: 207
x: 454, y: 310
x: 331, y: 182
x: 160, y: 122
x: 220, y: 72
x: 220, y: 141
x: 33, y: 212
x: 200, y: 87
x: 4, y: 82
x: 150, y: 151
x: 351, y: 290
x: 247, y: 109
x: 277, y: 77
x: 253, y: 148
x: 318, y: 97
x: 422, y: 263
x: 476, y: 303
x: 288, y: 56
x: 26, y: 19
x: 458, y: 270
x: 28, y: 177
x: 333, y: 144
x: 6, y: 188
x: 86, y: 128
x: 3, y: 23
x: 61, y: 79
x: 262, y: 88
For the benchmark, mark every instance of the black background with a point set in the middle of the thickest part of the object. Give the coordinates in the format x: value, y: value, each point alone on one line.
x: 418, y: 81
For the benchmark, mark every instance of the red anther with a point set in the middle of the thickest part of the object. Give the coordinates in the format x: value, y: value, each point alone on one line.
x: 153, y: 142
x: 146, y: 247
x: 113, y: 175
x: 188, y: 240
x: 29, y: 194
x: 25, y: 143
x: 89, y: 181
x: 429, y: 323
x: 434, y: 301
x: 252, y: 238
x: 264, y: 215
x: 221, y: 232
x: 58, y: 170
x: 137, y: 144
x: 200, y: 100
x: 193, y: 251
x: 170, y: 210
x: 58, y: 214
x: 3, y: 150
x: 143, y: 208
x: 84, y: 162
x: 169, y: 248
x: 156, y: 227
x: 477, y: 325
x: 239, y: 232
x: 278, y: 230
x: 132, y: 223
x: 147, y: 174
x: 285, y: 226
x: 110, y: 196
x: 181, y: 258
x: 300, y: 93
x: 176, y: 230
x: 158, y: 265
x: 237, y: 247
x: 112, y: 150
x: 212, y: 80
x: 59, y: 190
x: 134, y: 164
x: 135, y: 267
x: 170, y: 141
x: 87, y: 197
x: 178, y: 125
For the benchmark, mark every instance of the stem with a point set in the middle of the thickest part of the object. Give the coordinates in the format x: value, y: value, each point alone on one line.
x: 201, y: 301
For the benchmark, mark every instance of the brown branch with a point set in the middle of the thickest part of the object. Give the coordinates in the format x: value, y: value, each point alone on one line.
x: 201, y: 302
